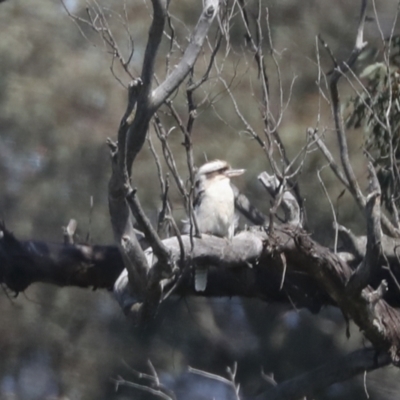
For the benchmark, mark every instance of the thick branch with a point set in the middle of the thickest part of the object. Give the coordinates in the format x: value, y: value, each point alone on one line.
x: 153, y: 43
x: 121, y: 220
x: 379, y: 322
x: 134, y: 91
x: 138, y: 128
x: 249, y: 265
x: 24, y: 263
x: 357, y: 245
x: 149, y: 103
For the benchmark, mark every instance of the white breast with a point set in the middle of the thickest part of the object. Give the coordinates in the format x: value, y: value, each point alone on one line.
x: 216, y: 212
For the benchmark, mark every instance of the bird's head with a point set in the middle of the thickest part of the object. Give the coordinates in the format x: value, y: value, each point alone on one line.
x: 214, y: 171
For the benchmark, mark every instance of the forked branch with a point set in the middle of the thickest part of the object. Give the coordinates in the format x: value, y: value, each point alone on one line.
x: 123, y: 200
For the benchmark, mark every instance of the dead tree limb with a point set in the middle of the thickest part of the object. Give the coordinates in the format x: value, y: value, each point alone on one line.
x: 236, y: 271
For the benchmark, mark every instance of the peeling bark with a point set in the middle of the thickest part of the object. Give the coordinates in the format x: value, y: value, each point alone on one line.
x: 315, y: 276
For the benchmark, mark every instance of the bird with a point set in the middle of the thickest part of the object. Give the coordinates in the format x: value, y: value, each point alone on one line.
x: 214, y: 206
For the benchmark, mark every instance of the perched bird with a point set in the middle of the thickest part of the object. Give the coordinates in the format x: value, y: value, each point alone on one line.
x: 214, y: 206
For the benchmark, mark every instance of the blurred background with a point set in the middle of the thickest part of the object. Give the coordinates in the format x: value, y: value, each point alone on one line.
x: 59, y: 102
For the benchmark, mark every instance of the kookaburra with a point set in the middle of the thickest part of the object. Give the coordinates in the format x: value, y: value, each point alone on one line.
x: 214, y: 206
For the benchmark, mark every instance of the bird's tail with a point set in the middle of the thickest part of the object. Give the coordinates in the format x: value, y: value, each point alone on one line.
x: 200, y: 278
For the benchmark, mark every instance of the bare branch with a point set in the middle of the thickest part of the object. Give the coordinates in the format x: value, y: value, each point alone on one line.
x: 243, y: 205
x: 338, y: 71
x: 183, y: 68
x: 153, y: 43
x: 332, y: 163
x: 149, y: 103
x: 370, y: 264
x: 97, y: 21
x: 315, y: 381
x: 144, y: 388
x: 360, y: 199
x: 229, y: 382
x: 278, y: 191
x: 159, y: 249
x: 121, y: 220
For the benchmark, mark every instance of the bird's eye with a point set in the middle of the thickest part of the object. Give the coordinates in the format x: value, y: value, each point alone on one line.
x: 197, y: 184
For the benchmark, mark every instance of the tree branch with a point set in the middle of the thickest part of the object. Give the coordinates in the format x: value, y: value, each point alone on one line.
x: 121, y: 220
x: 312, y: 382
x: 243, y: 205
x: 149, y: 103
x: 138, y: 129
x: 183, y: 68
x: 282, y: 197
x: 153, y: 43
x: 248, y: 265
x: 361, y: 202
x: 338, y: 71
x: 370, y: 264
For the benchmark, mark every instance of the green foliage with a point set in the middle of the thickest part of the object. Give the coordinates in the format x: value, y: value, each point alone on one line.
x: 376, y: 108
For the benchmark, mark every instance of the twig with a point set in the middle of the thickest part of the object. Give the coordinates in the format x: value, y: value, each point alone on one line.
x: 156, y: 392
x: 318, y: 379
x: 158, y: 247
x: 278, y: 191
x: 335, y: 223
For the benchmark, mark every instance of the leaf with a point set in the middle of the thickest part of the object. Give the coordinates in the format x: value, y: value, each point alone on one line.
x: 373, y: 69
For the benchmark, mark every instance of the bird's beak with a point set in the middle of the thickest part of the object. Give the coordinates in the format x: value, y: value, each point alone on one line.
x: 234, y: 172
